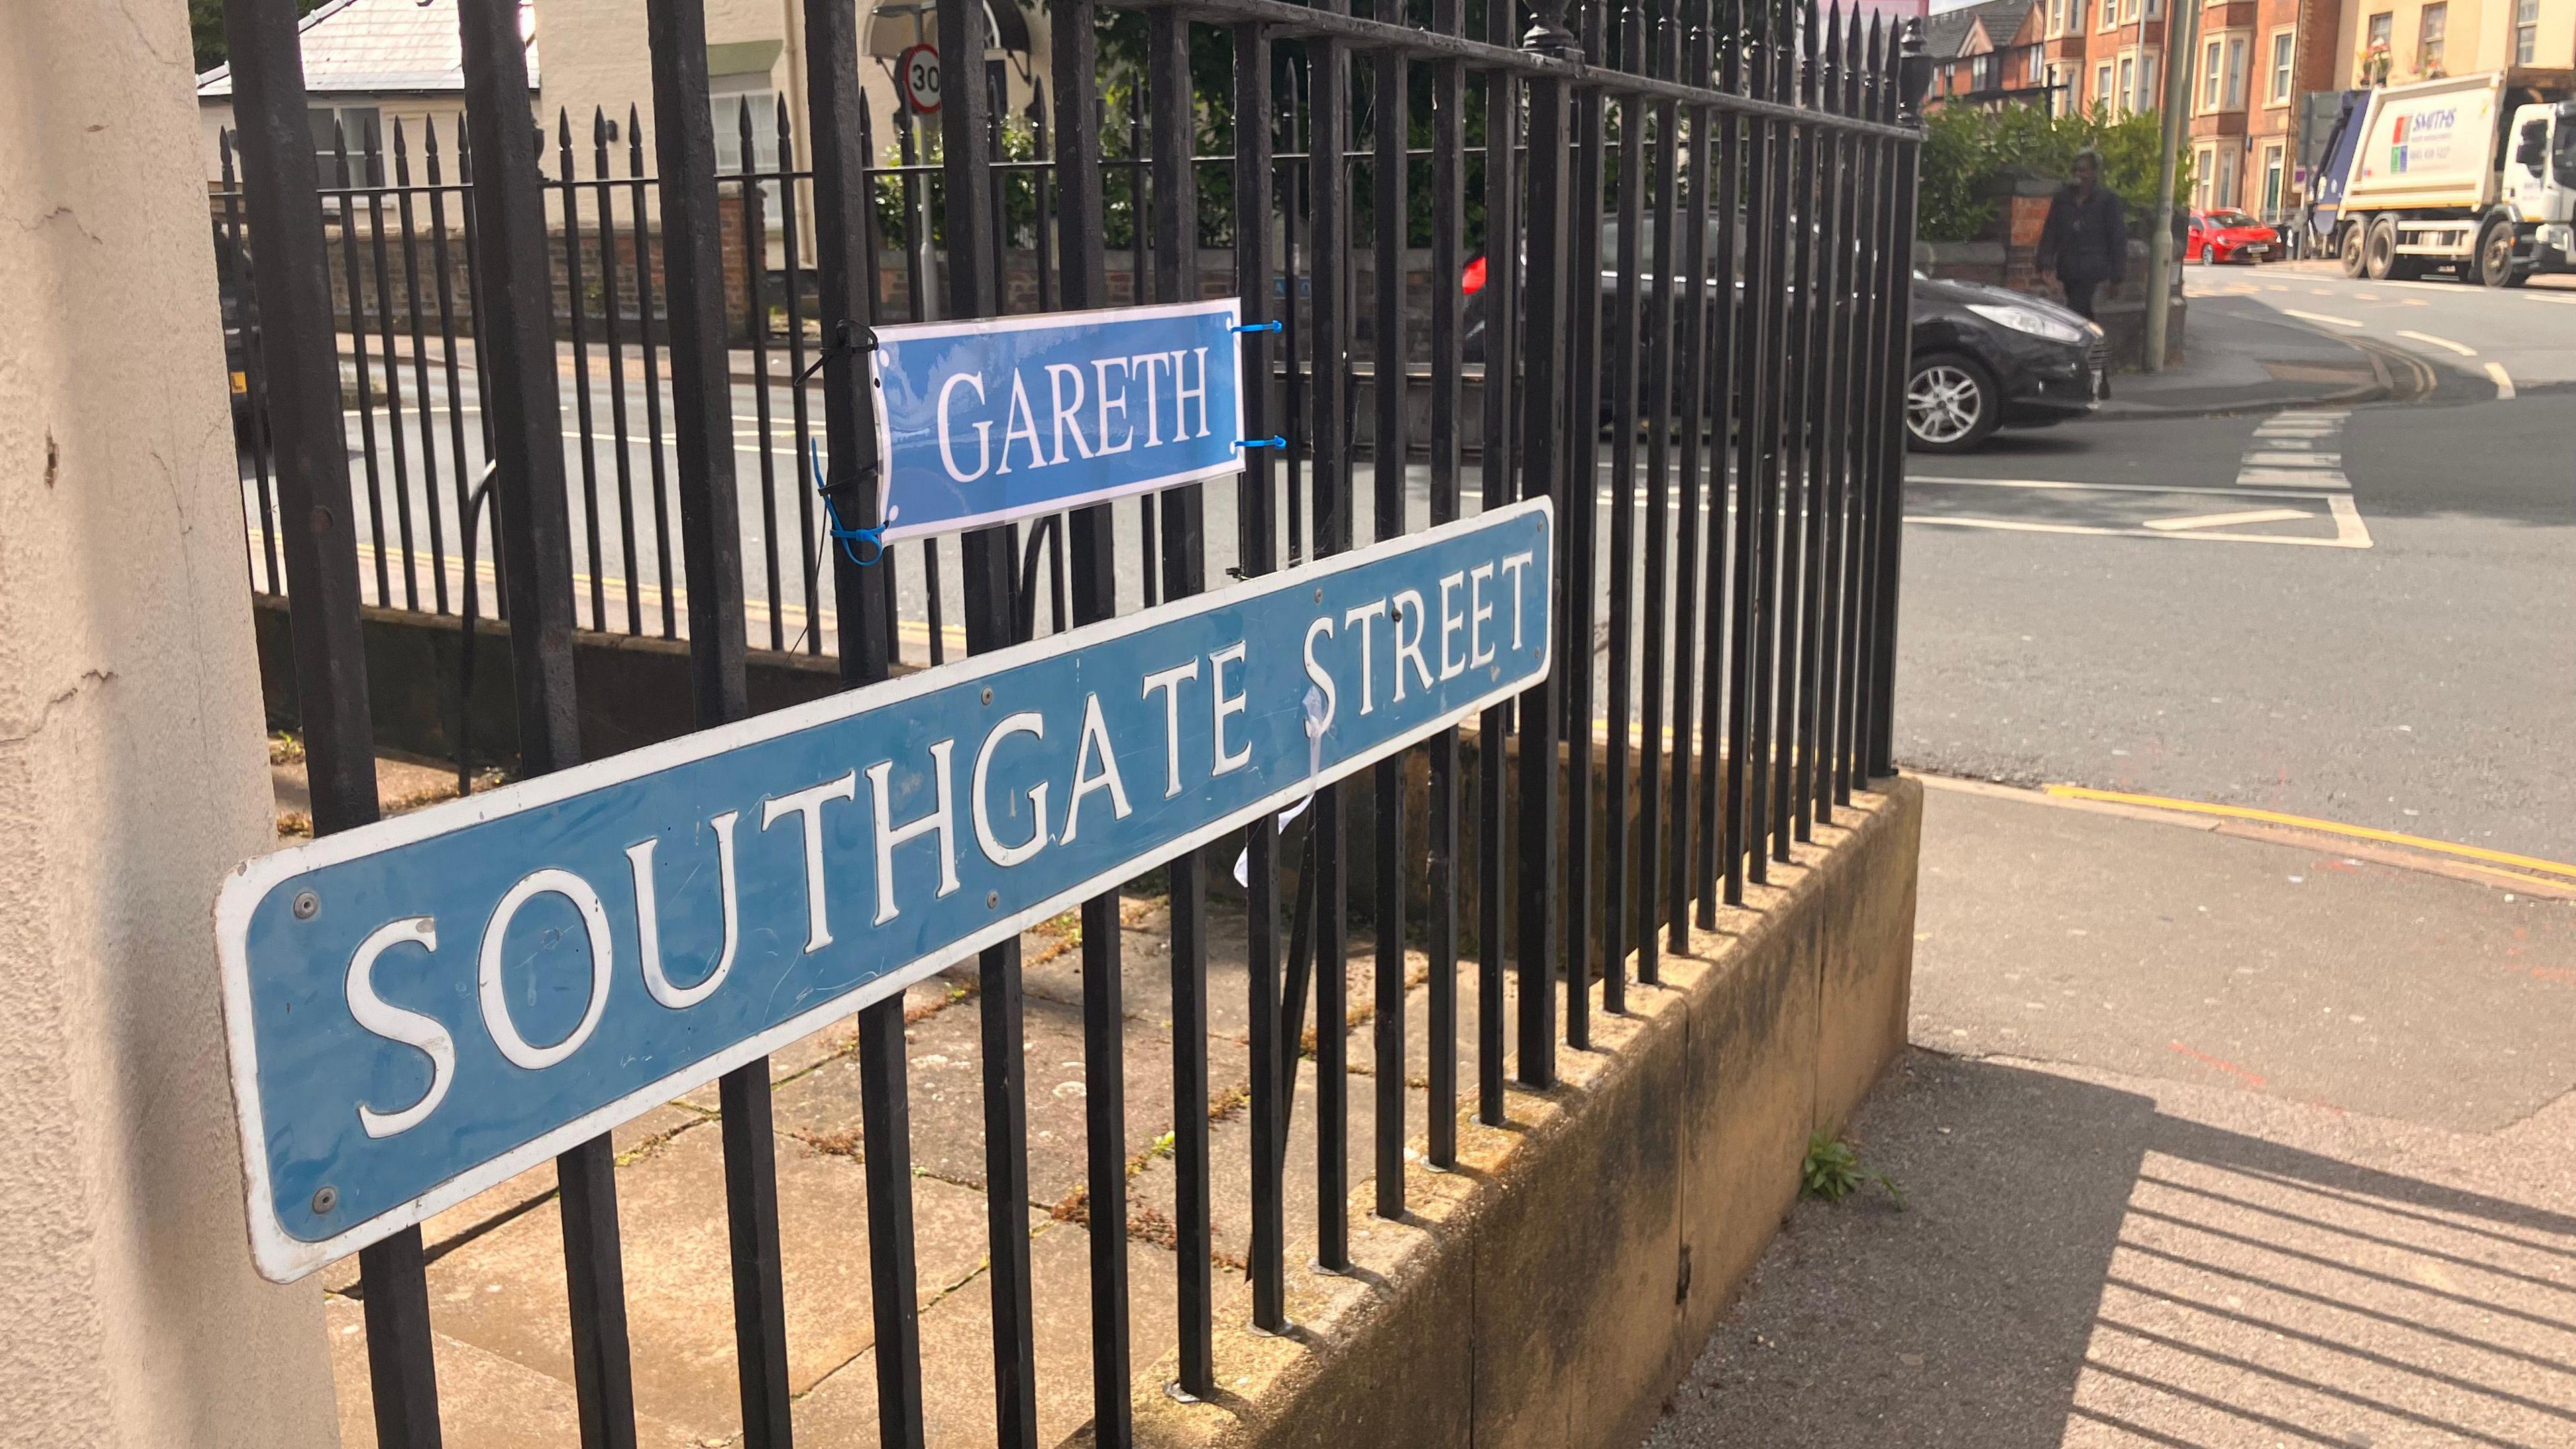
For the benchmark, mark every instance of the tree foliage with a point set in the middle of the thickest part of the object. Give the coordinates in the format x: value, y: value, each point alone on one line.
x: 1966, y: 149
x: 206, y: 29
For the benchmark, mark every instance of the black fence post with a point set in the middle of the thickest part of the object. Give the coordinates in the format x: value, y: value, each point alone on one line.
x: 290, y: 279
x: 992, y: 622
x: 711, y: 543
x: 1914, y: 77
x: 517, y: 356
x: 1543, y: 464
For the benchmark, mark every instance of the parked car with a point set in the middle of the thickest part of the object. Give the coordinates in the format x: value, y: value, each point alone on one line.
x: 1984, y: 358
x: 241, y: 345
x: 2229, y: 236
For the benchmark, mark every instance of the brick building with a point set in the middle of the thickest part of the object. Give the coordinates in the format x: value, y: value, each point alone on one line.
x: 2255, y: 58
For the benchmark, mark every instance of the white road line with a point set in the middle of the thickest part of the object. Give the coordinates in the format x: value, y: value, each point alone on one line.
x: 2553, y: 301
x: 2503, y: 381
x: 2461, y: 348
x: 2333, y: 480
x: 2349, y: 532
x: 2292, y: 458
x: 2321, y: 317
x: 2226, y: 520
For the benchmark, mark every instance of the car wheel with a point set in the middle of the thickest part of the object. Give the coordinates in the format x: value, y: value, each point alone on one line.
x: 2379, y: 250
x: 2494, y: 267
x: 2351, y: 256
x: 1951, y: 404
x: 2209, y: 256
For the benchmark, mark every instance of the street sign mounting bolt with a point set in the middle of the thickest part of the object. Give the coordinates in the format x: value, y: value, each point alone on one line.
x: 325, y: 1198
x: 307, y: 905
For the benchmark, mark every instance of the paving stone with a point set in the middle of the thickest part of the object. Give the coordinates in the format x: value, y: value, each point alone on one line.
x: 1230, y: 1170
x: 1229, y: 991
x: 504, y: 1291
x: 485, y: 1401
x: 957, y: 1349
x: 511, y: 1195
x: 1417, y: 1030
x: 947, y: 1096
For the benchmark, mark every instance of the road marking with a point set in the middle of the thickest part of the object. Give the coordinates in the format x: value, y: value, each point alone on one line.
x: 2289, y: 459
x: 2365, y: 296
x: 2349, y: 531
x: 2555, y: 301
x: 2426, y: 337
x: 2321, y: 291
x: 2503, y: 381
x: 2227, y: 520
x: 2305, y: 822
x: 2322, y: 317
x: 2322, y: 492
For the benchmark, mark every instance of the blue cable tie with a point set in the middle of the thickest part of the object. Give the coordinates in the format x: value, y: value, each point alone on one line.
x: 849, y: 537
x: 1269, y: 442
x: 1257, y: 327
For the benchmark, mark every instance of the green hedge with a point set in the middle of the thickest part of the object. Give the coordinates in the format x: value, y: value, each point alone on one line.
x: 1966, y: 148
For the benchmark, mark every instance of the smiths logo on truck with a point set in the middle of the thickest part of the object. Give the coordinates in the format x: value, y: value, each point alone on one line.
x: 2424, y: 138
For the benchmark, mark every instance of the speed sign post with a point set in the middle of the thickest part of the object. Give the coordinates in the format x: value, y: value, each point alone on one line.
x: 917, y: 72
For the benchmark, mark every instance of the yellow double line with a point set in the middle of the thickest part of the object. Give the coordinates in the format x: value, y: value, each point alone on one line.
x: 2531, y: 869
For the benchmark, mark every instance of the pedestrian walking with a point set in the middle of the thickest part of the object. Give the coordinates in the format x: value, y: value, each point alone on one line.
x: 2085, y: 242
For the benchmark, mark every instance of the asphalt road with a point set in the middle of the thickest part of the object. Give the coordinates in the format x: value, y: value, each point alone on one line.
x: 2214, y: 612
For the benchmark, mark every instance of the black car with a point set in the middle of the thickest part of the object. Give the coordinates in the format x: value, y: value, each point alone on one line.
x: 241, y: 345
x: 1986, y: 358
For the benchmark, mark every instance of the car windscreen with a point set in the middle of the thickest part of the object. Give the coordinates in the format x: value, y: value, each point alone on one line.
x: 2231, y: 218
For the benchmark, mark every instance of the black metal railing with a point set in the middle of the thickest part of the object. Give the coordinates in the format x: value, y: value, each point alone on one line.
x: 1692, y: 318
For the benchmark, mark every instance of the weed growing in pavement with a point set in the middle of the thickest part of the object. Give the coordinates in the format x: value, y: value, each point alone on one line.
x: 1833, y: 1171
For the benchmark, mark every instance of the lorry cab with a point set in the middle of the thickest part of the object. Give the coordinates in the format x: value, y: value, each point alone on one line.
x: 2540, y: 180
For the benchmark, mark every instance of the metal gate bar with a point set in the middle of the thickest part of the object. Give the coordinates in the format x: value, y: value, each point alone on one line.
x: 1749, y: 364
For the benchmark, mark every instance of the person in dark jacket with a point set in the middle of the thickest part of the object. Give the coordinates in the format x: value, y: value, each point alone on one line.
x: 2085, y: 242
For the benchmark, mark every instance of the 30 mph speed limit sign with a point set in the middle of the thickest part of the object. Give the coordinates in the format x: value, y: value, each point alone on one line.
x: 917, y: 70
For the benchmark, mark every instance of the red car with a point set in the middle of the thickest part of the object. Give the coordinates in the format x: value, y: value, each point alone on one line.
x: 2229, y: 236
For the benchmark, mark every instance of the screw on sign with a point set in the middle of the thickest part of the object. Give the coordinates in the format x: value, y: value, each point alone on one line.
x: 919, y: 69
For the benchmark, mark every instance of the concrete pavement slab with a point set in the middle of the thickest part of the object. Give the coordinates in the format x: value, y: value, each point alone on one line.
x: 2156, y: 1193
x: 2070, y: 935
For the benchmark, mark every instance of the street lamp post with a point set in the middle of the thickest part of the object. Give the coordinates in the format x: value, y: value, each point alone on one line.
x: 2160, y: 252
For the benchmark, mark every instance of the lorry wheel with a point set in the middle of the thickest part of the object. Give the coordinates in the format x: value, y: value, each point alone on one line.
x: 2494, y: 264
x: 2350, y: 250
x: 2379, y: 250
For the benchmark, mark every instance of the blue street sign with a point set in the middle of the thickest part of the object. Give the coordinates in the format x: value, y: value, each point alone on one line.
x: 986, y: 421
x: 421, y: 1008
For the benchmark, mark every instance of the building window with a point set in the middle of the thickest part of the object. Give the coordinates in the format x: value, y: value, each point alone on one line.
x: 2235, y: 73
x: 2031, y: 73
x: 2128, y: 84
x: 363, y: 128
x: 2155, y: 9
x: 2148, y: 100
x: 2102, y: 85
x: 2281, y: 52
x: 2526, y: 31
x: 2226, y: 180
x: 2210, y: 75
x: 2271, y: 182
x: 2428, y: 39
x: 2204, y: 162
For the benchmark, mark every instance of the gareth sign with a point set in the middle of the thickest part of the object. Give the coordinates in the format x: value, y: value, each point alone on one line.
x: 423, y: 1007
x: 986, y: 421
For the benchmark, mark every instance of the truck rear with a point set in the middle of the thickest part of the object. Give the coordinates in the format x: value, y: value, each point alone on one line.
x: 2475, y: 174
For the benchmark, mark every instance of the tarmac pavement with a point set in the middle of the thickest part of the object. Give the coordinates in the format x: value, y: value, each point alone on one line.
x: 2206, y: 1140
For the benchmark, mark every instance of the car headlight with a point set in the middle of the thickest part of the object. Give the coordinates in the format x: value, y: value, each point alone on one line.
x: 2030, y: 320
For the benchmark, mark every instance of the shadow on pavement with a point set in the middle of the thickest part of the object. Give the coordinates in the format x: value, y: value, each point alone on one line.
x: 2085, y: 1264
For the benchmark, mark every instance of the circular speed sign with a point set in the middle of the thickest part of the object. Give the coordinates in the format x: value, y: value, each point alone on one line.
x: 917, y: 70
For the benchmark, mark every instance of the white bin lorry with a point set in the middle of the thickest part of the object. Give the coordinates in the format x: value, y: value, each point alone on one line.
x: 2474, y: 174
